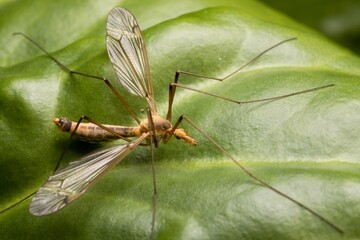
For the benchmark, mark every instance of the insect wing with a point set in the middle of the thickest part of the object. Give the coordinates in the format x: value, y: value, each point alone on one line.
x: 127, y: 52
x: 69, y: 183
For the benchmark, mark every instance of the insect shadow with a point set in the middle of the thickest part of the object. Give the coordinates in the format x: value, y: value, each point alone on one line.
x: 127, y: 52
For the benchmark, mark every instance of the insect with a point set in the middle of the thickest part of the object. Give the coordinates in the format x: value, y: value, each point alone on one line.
x: 127, y: 52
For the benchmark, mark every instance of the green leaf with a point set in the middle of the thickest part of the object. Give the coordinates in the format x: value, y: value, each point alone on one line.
x: 306, y: 145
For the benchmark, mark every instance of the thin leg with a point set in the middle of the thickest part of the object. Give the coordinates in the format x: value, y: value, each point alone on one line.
x: 262, y: 182
x: 65, y: 150
x: 17, y: 203
x: 177, y: 74
x: 152, y: 128
x: 174, y: 127
x: 257, y: 100
x: 175, y: 84
x: 153, y: 140
x: 105, y: 80
x: 74, y: 132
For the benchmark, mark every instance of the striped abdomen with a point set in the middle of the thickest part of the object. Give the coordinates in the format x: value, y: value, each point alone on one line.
x: 90, y: 132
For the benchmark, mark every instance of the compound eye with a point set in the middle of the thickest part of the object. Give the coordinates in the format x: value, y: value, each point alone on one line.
x: 166, y: 126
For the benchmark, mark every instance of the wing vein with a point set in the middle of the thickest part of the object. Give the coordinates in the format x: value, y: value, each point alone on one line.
x: 70, y: 182
x: 127, y: 53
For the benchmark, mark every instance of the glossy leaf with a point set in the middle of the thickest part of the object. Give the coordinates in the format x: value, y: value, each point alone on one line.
x: 306, y: 145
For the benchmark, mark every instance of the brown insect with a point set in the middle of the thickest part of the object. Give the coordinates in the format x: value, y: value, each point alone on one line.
x: 127, y: 52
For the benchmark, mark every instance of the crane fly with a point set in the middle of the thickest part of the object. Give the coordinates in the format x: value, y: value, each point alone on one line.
x: 127, y: 52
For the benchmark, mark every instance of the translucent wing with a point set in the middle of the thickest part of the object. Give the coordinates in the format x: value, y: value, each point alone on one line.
x: 127, y: 52
x: 69, y: 183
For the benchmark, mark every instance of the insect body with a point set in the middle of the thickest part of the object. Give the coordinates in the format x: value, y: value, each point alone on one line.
x: 127, y: 52
x: 90, y: 132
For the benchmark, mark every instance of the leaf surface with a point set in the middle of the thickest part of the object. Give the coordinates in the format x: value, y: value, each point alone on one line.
x: 306, y: 145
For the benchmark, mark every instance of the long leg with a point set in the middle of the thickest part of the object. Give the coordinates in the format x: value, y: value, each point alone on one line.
x: 177, y: 74
x: 105, y: 80
x: 74, y: 132
x: 65, y: 150
x: 153, y: 141
x: 17, y: 203
x: 259, y: 180
x: 175, y: 84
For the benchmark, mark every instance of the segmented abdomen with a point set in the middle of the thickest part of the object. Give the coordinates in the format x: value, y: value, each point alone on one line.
x: 90, y: 132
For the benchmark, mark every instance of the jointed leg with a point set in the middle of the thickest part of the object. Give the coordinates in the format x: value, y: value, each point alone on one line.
x: 105, y: 80
x: 153, y: 141
x: 17, y: 203
x: 74, y: 133
x: 251, y: 175
x: 177, y: 74
x: 65, y: 150
x: 175, y: 84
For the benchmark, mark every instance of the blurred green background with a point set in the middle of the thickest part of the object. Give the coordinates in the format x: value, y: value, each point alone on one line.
x: 339, y: 20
